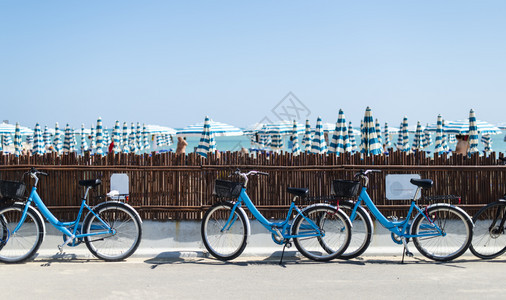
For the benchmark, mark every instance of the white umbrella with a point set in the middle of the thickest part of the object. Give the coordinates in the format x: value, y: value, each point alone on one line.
x: 219, y: 129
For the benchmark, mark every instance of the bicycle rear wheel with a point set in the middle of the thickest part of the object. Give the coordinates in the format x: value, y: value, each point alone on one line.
x: 22, y: 245
x: 362, y: 226
x: 456, y: 227
x: 335, y: 228
x: 126, y: 233
x: 489, y: 238
x: 223, y: 240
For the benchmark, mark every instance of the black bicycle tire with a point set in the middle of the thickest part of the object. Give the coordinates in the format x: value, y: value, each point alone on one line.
x: 368, y: 235
x: 205, y: 240
x: 477, y: 239
x: 88, y: 239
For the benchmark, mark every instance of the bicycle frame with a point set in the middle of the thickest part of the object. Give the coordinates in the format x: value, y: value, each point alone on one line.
x: 62, y: 226
x: 400, y: 228
x: 272, y: 227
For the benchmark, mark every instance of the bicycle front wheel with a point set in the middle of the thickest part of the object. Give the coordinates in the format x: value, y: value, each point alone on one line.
x: 362, y: 226
x: 224, y: 232
x: 114, y: 232
x: 23, y: 244
x: 489, y: 238
x: 322, y: 233
x: 455, y: 237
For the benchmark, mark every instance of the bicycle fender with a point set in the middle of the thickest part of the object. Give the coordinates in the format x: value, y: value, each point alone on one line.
x: 248, y: 229
x: 116, y: 202
x: 449, y: 205
x: 35, y: 212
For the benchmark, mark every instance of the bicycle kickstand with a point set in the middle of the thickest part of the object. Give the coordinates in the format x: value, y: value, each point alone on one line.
x: 288, y: 244
x: 405, y: 250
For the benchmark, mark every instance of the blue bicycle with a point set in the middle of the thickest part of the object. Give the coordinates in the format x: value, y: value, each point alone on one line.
x: 111, y: 230
x: 320, y: 232
x: 440, y: 231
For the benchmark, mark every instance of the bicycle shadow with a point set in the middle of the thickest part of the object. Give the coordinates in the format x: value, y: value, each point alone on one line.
x: 63, y: 258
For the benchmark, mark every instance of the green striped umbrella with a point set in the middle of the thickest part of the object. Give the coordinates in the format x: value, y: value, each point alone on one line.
x: 295, y: 139
x: 207, y: 143
x: 318, y: 144
x: 100, y: 138
x: 371, y: 145
x: 473, y: 133
x: 38, y: 143
x: 306, y: 141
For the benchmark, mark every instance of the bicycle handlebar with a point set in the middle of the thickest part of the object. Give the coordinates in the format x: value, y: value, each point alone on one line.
x: 364, y: 173
x: 252, y: 172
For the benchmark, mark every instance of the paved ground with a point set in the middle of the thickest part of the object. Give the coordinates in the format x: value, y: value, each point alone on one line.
x: 259, y: 278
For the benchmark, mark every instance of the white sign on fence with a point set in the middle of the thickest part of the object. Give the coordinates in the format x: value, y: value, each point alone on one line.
x: 398, y: 186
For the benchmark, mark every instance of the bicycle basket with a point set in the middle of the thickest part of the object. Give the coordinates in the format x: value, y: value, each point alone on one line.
x: 345, y: 188
x: 12, y: 189
x: 227, y: 189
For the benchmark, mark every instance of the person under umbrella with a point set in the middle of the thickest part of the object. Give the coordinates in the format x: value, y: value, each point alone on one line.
x: 319, y: 145
x: 371, y: 145
x: 207, y: 143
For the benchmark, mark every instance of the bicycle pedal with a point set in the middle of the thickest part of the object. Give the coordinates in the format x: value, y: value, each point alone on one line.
x: 288, y: 245
x: 409, y: 254
x: 61, y: 249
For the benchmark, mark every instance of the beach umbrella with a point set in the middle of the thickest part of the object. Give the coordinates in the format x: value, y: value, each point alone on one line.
x: 138, y: 136
x: 351, y: 136
x: 159, y: 141
x: 487, y: 143
x: 405, y: 135
x: 207, y: 143
x: 73, y: 142
x: 308, y: 137
x: 132, y: 139
x: 295, y: 139
x: 219, y: 129
x: 29, y: 139
x: 38, y: 143
x: 116, y: 138
x: 47, y: 138
x: 84, y: 145
x: 67, y: 139
x: 386, y: 133
x: 106, y: 137
x: 7, y: 140
x: 340, y: 142
x: 277, y: 142
x: 99, y: 138
x: 124, y: 141
x: 439, y: 136
x: 145, y: 137
x: 57, y: 142
x: 473, y: 133
x: 370, y: 143
x: 318, y: 144
x: 400, y: 141
x: 168, y: 139
x: 417, y: 142
x: 93, y: 143
x: 462, y: 127
x: 157, y: 129
x: 427, y: 138
x: 17, y: 140
x: 378, y: 132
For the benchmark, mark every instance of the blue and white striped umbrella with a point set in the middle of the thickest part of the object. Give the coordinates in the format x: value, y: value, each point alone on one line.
x: 168, y: 139
x: 100, y: 138
x: 145, y: 138
x: 157, y: 129
x: 486, y: 139
x: 38, y: 142
x: 7, y: 140
x: 277, y: 142
x: 386, y: 133
x: 295, y: 139
x: 207, y: 143
x: 84, y: 144
x: 418, y: 142
x: 427, y: 138
x: 67, y: 140
x: 319, y: 145
x: 17, y: 140
x: 138, y: 136
x: 159, y: 141
x: 219, y: 129
x: 116, y: 138
x: 340, y: 140
x: 73, y: 142
x: 362, y: 135
x: 439, y: 136
x: 370, y: 142
x: 378, y: 132
x: 125, y: 147
x: 400, y: 141
x: 132, y: 139
x: 405, y: 135
x: 47, y: 138
x: 462, y: 127
x: 57, y: 142
x: 92, y: 137
x: 106, y: 137
x: 351, y: 136
x: 308, y: 137
x: 473, y: 133
x: 29, y: 139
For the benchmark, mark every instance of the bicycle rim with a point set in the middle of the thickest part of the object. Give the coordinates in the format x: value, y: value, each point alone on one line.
x: 22, y: 245
x: 454, y: 241
x: 361, y: 231
x: 124, y: 239
x: 224, y: 240
x: 489, y: 238
x: 334, y: 225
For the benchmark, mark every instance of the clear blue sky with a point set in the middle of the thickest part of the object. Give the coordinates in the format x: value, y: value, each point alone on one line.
x: 173, y: 62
